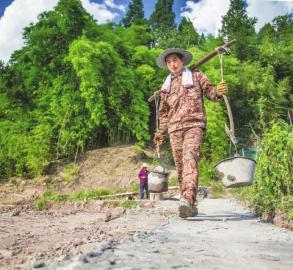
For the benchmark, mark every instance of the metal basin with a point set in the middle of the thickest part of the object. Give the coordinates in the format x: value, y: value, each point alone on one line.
x: 158, y: 182
x: 236, y: 171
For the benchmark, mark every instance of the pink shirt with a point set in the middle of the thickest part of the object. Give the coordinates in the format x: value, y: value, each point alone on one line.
x: 143, y: 176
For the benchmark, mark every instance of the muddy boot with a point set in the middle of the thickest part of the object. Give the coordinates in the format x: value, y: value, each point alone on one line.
x: 186, y: 209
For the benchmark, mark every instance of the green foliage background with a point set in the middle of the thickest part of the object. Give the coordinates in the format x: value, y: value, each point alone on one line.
x: 77, y: 84
x: 273, y: 187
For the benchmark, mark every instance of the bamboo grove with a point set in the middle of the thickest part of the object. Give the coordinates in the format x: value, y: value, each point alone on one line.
x: 77, y: 84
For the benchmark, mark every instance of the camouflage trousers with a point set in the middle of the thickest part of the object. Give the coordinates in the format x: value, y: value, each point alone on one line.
x: 185, y: 146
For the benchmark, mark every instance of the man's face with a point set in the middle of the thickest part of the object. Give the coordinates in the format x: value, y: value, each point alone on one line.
x: 174, y: 63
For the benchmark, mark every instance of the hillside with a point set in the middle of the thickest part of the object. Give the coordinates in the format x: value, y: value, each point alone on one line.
x: 110, y: 168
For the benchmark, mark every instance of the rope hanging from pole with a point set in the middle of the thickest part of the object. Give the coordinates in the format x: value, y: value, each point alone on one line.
x: 157, y: 124
x: 221, y: 65
x: 230, y: 131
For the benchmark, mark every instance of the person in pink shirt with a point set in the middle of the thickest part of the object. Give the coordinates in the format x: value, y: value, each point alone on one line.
x: 143, y: 181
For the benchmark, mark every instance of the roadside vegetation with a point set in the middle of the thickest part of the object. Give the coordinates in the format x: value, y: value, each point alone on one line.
x: 93, y: 194
x: 77, y: 85
x: 271, y: 192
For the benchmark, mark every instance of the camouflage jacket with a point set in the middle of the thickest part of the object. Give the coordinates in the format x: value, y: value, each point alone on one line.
x: 181, y: 107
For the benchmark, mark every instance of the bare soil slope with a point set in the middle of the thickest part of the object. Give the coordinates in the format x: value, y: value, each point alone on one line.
x: 111, y: 167
x: 28, y: 237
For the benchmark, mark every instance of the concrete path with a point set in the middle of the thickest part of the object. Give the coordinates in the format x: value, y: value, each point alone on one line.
x: 223, y: 236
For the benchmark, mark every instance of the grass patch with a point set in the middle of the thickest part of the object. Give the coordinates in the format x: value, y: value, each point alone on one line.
x: 286, y: 206
x: 216, y: 190
x: 40, y: 204
x: 114, y: 203
x: 134, y: 186
x: 128, y: 203
x: 242, y: 193
x: 89, y: 194
x: 48, y: 196
x: 70, y: 173
x: 125, y: 203
x: 173, y: 181
x: 290, y: 215
x: 93, y: 194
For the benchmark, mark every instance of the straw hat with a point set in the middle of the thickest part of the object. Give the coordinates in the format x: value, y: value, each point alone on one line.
x: 144, y: 165
x: 161, y: 59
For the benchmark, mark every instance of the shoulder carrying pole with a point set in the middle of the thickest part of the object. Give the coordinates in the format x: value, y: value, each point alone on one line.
x: 223, y: 49
x: 219, y: 50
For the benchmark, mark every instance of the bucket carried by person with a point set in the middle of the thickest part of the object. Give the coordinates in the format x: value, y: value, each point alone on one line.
x: 236, y: 171
x: 158, y: 180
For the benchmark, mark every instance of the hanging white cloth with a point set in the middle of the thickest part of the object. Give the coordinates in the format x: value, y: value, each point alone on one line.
x: 187, y: 80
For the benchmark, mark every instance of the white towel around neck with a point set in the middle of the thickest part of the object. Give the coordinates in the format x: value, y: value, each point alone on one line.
x: 187, y: 80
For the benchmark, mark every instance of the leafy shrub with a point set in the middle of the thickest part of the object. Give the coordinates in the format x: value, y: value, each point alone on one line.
x: 24, y: 153
x: 273, y: 186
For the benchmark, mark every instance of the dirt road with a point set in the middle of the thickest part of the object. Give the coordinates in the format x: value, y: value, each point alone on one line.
x: 29, y: 238
x: 223, y: 236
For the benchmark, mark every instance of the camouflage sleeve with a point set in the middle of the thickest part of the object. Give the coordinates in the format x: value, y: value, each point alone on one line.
x: 163, y: 115
x: 208, y: 89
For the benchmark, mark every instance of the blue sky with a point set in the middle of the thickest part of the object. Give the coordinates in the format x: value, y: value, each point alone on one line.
x: 206, y: 15
x: 3, y: 5
x: 149, y: 6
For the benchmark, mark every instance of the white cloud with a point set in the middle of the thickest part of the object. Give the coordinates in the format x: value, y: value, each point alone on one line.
x: 266, y: 10
x: 100, y: 12
x: 206, y: 15
x: 111, y: 4
x: 22, y: 12
x: 16, y: 16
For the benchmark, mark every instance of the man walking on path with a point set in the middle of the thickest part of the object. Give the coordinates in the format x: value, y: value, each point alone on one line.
x: 182, y: 115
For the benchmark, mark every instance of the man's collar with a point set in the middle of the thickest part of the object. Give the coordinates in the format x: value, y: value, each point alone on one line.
x: 178, y: 75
